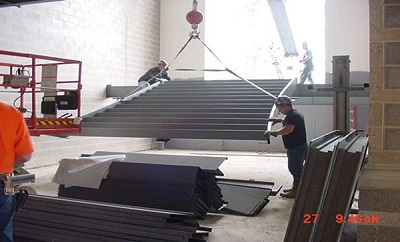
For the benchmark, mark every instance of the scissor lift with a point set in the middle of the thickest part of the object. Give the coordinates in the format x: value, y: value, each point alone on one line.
x: 47, y: 90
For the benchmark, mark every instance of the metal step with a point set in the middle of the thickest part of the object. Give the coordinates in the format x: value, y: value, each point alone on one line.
x: 203, y: 97
x: 208, y: 94
x: 175, y: 134
x: 188, y: 110
x: 261, y: 101
x: 195, y: 105
x: 214, y: 89
x: 183, y: 115
x: 177, y: 120
x: 200, y: 126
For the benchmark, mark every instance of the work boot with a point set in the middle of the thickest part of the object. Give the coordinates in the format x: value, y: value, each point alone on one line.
x: 288, y: 190
x: 290, y: 194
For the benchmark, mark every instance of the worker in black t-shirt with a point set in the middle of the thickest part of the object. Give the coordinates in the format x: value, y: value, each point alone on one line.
x: 294, y: 139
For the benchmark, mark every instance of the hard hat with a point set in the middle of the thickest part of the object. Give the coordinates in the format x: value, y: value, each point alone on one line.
x: 283, y: 101
x: 163, y: 63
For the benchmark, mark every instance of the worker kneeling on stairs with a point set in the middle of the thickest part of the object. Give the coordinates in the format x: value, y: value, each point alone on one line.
x: 294, y: 139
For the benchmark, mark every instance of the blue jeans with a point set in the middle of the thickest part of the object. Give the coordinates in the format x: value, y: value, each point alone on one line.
x: 296, y: 157
x: 306, y: 74
x: 7, y: 203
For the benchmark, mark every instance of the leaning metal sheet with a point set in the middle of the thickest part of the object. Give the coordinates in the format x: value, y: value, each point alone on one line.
x: 311, y: 186
x: 340, y: 187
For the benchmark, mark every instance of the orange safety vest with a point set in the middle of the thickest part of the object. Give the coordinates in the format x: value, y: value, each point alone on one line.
x: 14, y: 137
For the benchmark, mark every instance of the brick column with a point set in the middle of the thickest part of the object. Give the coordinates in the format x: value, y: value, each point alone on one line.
x: 379, y: 184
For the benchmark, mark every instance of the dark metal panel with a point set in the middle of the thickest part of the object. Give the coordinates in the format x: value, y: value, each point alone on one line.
x: 99, y: 229
x: 340, y: 187
x: 68, y: 223
x: 327, y: 188
x: 251, y: 183
x: 311, y: 186
x: 244, y: 200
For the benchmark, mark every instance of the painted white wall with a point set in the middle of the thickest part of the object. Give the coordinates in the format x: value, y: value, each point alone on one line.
x: 347, y: 32
x: 175, y: 32
x: 117, y: 41
x: 344, y: 31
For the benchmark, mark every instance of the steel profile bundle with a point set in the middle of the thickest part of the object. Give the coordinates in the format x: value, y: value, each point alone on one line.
x: 326, y: 187
x: 340, y: 188
x: 59, y: 219
x: 180, y: 183
x: 311, y: 185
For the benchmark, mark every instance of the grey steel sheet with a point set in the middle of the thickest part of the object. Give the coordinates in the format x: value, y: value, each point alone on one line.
x: 244, y: 200
x: 340, y: 187
x: 56, y: 219
x: 311, y: 186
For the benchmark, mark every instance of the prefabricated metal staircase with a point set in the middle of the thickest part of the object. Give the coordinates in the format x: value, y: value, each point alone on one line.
x: 190, y: 109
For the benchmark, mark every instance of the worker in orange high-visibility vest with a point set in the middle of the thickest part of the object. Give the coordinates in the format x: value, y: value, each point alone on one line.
x: 15, y: 149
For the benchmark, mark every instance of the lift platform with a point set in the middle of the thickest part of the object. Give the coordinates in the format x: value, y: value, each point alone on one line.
x: 47, y: 90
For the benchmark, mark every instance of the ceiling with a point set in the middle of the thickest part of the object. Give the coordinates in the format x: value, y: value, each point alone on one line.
x: 19, y: 3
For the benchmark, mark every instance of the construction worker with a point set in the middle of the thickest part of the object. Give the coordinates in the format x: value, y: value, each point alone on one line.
x: 294, y: 139
x: 307, y: 60
x: 15, y: 148
x: 155, y: 74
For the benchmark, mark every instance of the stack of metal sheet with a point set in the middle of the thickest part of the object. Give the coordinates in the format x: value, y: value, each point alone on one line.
x: 181, y: 183
x: 327, y: 187
x: 59, y: 219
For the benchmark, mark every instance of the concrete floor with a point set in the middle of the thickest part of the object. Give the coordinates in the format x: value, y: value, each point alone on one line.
x: 269, y: 225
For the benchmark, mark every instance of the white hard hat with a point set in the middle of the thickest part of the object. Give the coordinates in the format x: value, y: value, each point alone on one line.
x: 163, y: 62
x: 283, y: 101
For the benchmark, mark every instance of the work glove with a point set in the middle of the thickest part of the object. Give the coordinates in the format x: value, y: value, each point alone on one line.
x: 270, y: 133
x: 275, y: 120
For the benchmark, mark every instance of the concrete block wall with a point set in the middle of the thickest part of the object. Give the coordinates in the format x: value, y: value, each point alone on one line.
x: 117, y: 41
x: 380, y: 182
